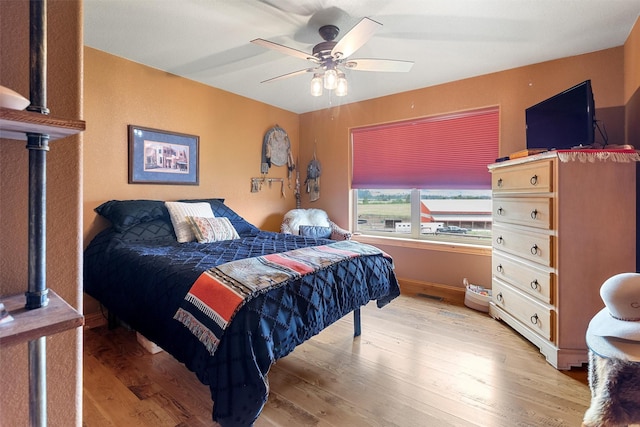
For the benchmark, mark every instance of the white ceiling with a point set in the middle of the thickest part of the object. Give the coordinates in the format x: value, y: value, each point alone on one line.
x: 209, y: 40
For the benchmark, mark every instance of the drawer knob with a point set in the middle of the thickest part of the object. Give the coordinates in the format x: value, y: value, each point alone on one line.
x: 535, y: 285
x: 500, y: 269
x: 499, y: 240
x: 499, y: 297
x: 534, y: 180
x: 499, y: 182
x: 534, y: 319
x: 534, y: 214
x: 535, y: 250
x: 500, y: 211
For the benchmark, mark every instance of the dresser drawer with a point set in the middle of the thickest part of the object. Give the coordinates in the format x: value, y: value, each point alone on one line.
x: 535, y: 282
x: 531, y: 178
x: 537, y: 247
x: 533, y: 212
x: 530, y: 313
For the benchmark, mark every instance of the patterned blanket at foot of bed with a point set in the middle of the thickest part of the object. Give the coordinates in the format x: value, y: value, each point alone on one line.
x: 218, y: 294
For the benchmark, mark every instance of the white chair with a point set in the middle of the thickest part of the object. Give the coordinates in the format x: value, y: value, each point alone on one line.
x: 311, y: 220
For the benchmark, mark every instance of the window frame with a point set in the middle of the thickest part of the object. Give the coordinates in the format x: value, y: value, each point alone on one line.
x: 415, y: 234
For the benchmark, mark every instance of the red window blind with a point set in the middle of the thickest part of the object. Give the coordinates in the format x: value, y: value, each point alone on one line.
x: 445, y: 152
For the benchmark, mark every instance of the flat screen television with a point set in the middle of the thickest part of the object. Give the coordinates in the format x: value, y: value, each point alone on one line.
x: 563, y: 121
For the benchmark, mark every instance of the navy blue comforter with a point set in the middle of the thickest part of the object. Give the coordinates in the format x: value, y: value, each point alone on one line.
x: 144, y: 282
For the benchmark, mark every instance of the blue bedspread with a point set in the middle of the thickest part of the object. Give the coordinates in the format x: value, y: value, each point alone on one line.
x: 144, y: 282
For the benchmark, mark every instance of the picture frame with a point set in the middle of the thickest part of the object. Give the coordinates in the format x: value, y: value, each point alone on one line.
x: 162, y: 157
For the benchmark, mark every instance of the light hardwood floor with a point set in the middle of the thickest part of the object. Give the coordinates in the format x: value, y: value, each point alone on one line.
x: 419, y: 362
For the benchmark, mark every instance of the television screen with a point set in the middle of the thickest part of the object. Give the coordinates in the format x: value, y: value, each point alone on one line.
x: 563, y: 121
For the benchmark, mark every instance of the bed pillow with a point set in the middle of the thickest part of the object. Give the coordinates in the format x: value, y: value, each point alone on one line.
x: 179, y: 211
x: 154, y: 230
x: 241, y: 225
x: 315, y: 231
x: 209, y: 230
x: 124, y: 214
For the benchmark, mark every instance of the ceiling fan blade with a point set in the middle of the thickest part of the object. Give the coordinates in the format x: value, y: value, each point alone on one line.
x: 286, y: 76
x: 355, y: 38
x: 284, y: 49
x: 390, y: 65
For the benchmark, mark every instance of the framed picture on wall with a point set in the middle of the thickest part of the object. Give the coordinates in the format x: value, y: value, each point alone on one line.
x: 162, y: 157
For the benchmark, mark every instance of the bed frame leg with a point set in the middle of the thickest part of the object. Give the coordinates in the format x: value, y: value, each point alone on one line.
x: 357, y: 326
x: 112, y: 321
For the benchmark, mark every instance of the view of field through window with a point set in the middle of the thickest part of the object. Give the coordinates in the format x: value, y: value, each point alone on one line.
x: 462, y: 216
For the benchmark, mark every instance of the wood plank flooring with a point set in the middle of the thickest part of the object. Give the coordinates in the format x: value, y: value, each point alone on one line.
x: 419, y: 362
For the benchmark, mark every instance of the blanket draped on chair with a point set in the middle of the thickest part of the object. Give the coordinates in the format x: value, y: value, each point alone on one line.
x: 219, y: 292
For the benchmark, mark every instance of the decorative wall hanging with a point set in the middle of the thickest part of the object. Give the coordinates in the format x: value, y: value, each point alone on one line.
x: 161, y: 157
x: 257, y: 183
x: 297, y: 188
x: 276, y: 150
x: 314, y: 171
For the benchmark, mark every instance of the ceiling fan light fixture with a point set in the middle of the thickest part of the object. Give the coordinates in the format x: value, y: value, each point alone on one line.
x: 331, y: 57
x: 330, y: 79
x: 316, y: 85
x: 341, y: 88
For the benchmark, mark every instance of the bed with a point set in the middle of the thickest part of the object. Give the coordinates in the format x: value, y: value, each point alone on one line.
x: 143, y: 272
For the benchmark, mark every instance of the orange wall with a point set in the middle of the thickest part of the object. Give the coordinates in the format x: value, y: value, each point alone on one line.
x: 632, y: 86
x: 231, y: 128
x: 64, y: 220
x: 513, y: 90
x: 632, y: 62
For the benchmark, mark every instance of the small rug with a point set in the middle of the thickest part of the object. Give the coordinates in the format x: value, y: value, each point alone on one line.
x: 615, y: 392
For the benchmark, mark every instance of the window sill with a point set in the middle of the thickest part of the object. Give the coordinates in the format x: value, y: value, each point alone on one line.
x: 424, y: 245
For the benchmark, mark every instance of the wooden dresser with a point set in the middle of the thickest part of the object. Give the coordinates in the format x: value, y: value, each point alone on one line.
x: 562, y: 224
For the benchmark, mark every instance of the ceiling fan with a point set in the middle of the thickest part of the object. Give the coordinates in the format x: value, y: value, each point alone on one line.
x: 331, y: 57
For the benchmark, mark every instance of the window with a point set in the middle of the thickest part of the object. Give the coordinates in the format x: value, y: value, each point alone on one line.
x: 426, y: 178
x: 462, y: 216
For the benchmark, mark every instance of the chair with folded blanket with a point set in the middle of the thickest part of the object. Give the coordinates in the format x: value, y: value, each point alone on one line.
x: 312, y: 223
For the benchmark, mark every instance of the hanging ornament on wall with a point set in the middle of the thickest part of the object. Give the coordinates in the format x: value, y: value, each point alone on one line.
x: 297, y: 187
x: 314, y: 171
x: 276, y: 150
